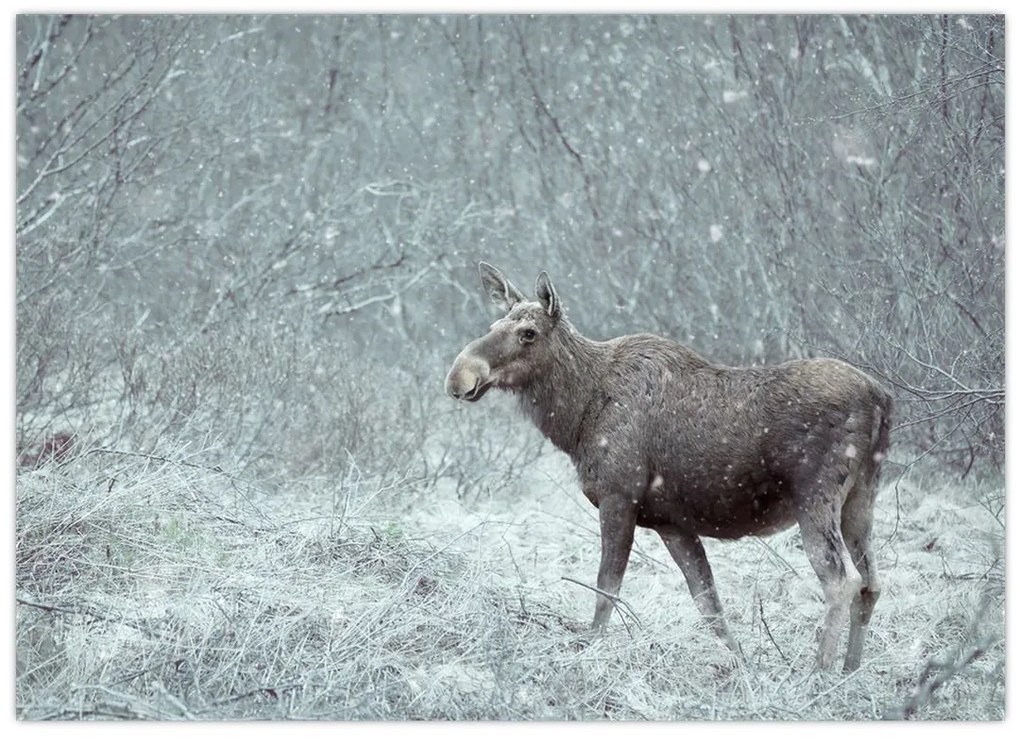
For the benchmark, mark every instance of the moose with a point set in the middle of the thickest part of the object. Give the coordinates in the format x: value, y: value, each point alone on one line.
x: 663, y: 439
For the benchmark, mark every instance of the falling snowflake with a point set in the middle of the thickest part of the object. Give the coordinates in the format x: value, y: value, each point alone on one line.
x: 858, y: 160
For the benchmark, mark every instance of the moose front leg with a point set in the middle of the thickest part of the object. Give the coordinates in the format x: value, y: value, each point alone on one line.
x: 616, y: 522
x: 689, y: 554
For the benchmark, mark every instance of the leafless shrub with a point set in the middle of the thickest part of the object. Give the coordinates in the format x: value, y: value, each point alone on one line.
x: 258, y: 234
x: 938, y: 671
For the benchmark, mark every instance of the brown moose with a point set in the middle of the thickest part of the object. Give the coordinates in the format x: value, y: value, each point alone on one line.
x: 663, y: 439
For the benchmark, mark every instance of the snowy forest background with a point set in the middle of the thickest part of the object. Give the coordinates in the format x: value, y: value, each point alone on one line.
x: 247, y: 252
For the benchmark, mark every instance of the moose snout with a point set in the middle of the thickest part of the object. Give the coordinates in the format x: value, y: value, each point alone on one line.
x: 468, y: 379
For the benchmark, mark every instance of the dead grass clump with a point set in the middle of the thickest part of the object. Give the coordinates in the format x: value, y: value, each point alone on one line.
x: 152, y: 587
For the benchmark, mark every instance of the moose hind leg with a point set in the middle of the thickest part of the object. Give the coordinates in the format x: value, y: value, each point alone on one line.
x: 856, y: 525
x: 689, y: 554
x: 831, y: 560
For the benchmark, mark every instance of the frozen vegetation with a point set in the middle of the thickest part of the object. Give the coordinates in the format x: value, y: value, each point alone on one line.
x: 247, y: 253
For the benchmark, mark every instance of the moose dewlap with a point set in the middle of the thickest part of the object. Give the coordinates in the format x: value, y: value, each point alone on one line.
x: 663, y: 439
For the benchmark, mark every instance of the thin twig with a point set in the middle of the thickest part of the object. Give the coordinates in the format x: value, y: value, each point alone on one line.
x: 761, y: 613
x: 619, y: 604
x: 938, y: 672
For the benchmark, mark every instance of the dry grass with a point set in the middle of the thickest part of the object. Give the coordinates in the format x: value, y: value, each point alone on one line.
x: 148, y: 588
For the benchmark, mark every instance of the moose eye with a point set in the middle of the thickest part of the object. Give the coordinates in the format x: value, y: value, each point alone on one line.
x: 528, y: 335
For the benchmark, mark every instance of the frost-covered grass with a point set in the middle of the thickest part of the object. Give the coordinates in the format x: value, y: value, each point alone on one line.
x: 150, y: 588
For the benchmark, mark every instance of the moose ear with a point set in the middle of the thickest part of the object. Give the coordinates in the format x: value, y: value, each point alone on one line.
x: 499, y: 288
x: 547, y: 295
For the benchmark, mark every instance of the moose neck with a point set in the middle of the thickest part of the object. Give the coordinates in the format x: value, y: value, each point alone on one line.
x: 560, y: 397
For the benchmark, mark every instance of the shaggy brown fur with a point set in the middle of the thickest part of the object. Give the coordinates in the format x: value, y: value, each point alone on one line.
x: 663, y: 439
